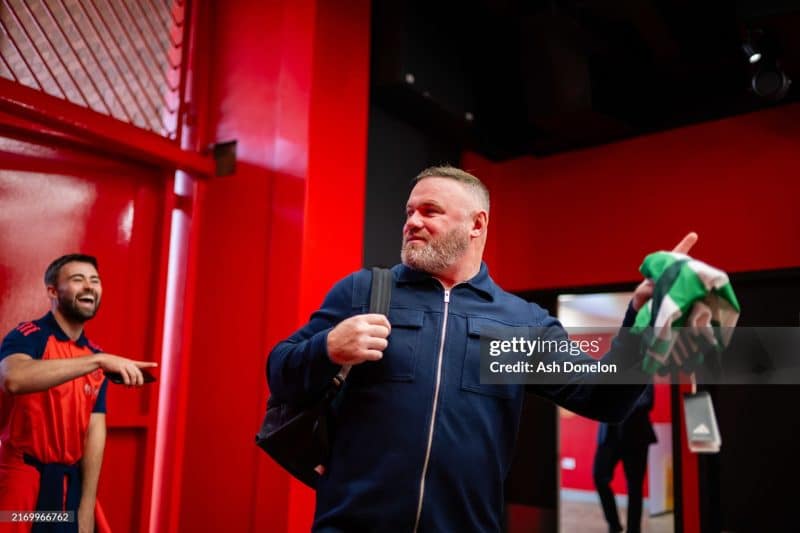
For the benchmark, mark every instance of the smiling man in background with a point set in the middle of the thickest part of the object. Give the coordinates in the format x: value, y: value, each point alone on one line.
x: 53, y: 401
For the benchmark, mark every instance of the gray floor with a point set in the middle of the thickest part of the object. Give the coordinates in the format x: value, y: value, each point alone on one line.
x: 584, y: 517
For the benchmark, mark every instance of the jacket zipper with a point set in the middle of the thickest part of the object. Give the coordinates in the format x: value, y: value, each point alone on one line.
x: 433, y: 412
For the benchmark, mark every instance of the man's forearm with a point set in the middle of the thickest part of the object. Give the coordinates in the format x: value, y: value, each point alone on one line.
x: 300, y: 365
x: 20, y: 374
x: 593, y: 396
x: 309, y: 368
x: 92, y: 460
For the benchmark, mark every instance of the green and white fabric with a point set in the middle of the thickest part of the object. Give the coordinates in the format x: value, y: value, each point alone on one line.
x: 688, y: 294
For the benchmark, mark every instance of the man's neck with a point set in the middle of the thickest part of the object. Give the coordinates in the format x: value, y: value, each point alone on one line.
x: 72, y: 329
x: 452, y: 277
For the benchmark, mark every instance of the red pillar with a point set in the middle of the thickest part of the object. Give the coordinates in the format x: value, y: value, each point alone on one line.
x: 289, y: 81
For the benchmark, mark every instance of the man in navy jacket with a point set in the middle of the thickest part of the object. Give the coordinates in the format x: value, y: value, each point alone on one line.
x: 420, y: 442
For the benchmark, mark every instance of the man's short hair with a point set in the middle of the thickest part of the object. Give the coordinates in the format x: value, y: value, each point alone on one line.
x: 475, y: 185
x: 51, y: 274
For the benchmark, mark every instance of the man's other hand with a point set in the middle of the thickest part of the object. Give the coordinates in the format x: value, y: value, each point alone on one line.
x: 645, y: 289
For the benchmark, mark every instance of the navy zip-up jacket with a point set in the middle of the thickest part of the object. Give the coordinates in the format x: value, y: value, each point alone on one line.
x: 387, y: 428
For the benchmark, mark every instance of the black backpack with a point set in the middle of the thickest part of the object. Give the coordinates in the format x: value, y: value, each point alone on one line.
x: 298, y: 438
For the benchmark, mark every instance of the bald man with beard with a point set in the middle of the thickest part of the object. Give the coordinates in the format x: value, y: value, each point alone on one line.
x: 420, y: 442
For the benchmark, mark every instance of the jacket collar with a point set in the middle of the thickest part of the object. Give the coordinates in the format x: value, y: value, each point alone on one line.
x: 480, y: 283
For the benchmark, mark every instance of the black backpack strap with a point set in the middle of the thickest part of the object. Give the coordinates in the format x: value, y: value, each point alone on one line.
x: 380, y: 297
x: 381, y: 292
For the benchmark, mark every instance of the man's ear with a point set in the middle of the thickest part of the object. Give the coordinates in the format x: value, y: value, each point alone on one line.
x: 479, y: 222
x: 52, y: 292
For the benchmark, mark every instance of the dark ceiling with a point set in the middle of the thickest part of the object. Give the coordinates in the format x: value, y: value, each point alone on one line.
x: 510, y: 77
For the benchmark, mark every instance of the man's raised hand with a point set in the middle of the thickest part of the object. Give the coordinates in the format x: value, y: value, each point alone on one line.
x: 645, y: 289
x: 686, y: 243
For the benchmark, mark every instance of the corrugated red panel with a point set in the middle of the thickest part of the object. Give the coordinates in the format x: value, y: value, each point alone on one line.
x: 122, y: 58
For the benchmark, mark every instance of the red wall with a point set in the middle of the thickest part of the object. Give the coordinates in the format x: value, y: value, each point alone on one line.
x: 589, y: 217
x: 250, y: 255
x: 289, y: 81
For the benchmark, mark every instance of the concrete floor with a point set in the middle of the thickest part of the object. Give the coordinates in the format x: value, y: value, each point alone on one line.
x: 585, y: 517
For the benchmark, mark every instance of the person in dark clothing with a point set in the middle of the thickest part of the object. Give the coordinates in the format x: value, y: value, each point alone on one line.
x: 421, y: 443
x: 628, y: 442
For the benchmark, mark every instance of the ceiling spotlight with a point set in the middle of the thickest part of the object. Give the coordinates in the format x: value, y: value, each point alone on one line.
x: 752, y: 55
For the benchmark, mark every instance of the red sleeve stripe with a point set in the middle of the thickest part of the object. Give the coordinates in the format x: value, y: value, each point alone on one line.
x: 27, y: 328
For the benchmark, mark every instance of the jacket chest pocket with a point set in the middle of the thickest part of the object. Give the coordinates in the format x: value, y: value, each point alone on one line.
x: 471, y: 374
x: 399, y: 360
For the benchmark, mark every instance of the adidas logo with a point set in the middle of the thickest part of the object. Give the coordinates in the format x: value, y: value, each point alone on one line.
x: 701, y: 429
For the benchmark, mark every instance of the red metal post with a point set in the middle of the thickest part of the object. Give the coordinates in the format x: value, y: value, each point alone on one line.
x: 106, y: 133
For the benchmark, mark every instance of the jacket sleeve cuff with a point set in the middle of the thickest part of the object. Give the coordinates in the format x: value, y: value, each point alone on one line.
x: 322, y: 369
x: 630, y: 316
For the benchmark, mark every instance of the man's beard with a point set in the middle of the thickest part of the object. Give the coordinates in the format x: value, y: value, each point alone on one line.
x: 72, y: 311
x: 438, y: 253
